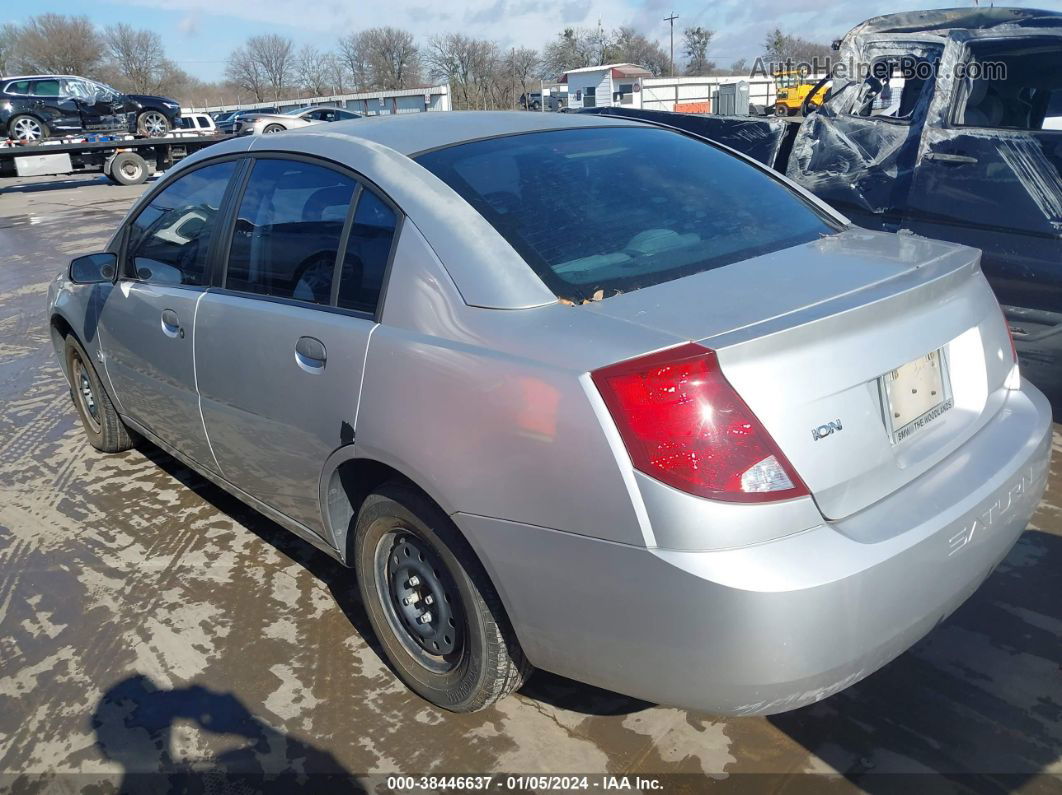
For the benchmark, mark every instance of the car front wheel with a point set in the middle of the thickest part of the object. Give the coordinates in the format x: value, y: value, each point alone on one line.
x: 152, y: 123
x: 434, y: 610
x: 103, y: 427
x: 27, y: 128
x: 273, y: 128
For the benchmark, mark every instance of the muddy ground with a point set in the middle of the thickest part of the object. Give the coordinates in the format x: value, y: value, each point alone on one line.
x: 149, y: 622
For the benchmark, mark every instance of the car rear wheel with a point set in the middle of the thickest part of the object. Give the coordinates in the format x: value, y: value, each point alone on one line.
x: 27, y: 128
x: 273, y: 128
x: 781, y: 110
x: 103, y: 427
x: 152, y: 123
x: 434, y: 610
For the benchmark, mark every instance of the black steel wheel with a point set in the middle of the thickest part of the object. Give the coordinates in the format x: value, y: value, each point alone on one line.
x: 438, y: 617
x: 104, y: 429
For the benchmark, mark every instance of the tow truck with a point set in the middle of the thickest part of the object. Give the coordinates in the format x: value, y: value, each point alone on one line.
x: 123, y: 159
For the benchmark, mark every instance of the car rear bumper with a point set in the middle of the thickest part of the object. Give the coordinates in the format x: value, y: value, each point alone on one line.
x: 777, y: 625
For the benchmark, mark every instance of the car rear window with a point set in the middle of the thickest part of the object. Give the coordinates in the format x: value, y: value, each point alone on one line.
x: 606, y: 210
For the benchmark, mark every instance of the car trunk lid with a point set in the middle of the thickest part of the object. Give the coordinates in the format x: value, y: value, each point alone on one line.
x: 805, y: 335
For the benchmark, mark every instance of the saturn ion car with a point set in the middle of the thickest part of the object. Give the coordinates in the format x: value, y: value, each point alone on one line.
x: 574, y: 393
x: 255, y: 123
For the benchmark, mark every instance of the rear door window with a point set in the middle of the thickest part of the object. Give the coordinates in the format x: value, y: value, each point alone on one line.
x: 288, y: 230
x: 367, y: 254
x: 1018, y: 85
x: 169, y: 242
x: 46, y: 88
x: 614, y: 209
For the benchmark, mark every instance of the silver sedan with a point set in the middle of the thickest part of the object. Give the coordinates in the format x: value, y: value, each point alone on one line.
x: 266, y: 123
x: 568, y: 392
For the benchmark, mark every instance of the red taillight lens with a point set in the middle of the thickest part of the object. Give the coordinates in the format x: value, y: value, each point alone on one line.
x: 683, y: 424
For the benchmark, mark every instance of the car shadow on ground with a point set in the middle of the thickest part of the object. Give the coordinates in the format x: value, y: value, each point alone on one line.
x: 340, y: 580
x: 158, y: 735
x: 979, y: 700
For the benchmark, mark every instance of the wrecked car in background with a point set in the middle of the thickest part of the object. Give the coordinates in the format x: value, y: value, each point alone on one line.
x: 956, y: 151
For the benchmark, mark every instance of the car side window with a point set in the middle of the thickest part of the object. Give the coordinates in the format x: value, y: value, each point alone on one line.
x: 46, y: 88
x: 169, y: 242
x: 367, y: 254
x: 1013, y: 85
x: 20, y: 87
x: 288, y: 230
x: 894, y: 88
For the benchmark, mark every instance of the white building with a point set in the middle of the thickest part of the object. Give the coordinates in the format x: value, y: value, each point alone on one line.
x: 604, y: 86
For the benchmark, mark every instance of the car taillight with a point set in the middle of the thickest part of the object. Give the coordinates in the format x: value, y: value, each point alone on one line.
x: 1013, y: 380
x: 683, y: 424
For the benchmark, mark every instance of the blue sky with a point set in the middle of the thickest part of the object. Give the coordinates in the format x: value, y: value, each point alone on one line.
x: 199, y: 34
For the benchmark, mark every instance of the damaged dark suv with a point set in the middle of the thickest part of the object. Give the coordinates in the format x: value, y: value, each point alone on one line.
x: 34, y: 107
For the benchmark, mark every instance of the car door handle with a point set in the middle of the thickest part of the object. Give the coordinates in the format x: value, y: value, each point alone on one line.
x: 171, y: 324
x: 955, y: 160
x: 310, y: 355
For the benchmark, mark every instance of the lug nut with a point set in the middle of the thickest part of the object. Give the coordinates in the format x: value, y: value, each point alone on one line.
x: 425, y: 618
x: 411, y: 599
x: 429, y: 599
x: 414, y: 581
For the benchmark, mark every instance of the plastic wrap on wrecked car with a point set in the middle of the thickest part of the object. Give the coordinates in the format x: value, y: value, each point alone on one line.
x: 760, y: 139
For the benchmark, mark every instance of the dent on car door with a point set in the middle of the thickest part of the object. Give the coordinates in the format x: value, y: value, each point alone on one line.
x: 148, y: 321
x: 990, y: 174
x: 283, y: 343
x: 858, y: 151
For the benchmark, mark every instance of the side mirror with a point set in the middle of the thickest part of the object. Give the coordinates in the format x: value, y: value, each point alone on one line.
x: 94, y: 268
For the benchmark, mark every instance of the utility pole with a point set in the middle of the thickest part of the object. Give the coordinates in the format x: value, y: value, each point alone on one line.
x: 672, y: 19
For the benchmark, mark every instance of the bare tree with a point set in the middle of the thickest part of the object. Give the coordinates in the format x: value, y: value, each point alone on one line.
x: 244, y: 70
x: 393, y: 58
x: 138, y: 59
x: 274, y: 54
x: 354, y: 56
x: 522, y: 64
x: 9, y: 34
x: 59, y: 44
x: 627, y: 45
x: 695, y: 48
x: 312, y: 71
x: 787, y: 52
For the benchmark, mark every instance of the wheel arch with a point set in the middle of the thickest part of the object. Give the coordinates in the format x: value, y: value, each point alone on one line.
x: 348, y: 478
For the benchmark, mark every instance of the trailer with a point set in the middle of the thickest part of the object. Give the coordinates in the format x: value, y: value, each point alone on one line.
x: 125, y: 160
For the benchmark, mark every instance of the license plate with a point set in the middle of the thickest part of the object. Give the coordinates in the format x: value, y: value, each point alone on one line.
x: 915, y: 394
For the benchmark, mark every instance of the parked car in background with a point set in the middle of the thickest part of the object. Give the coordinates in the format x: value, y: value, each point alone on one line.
x: 259, y: 123
x: 197, y: 122
x: 228, y: 124
x: 572, y: 392
x: 34, y: 107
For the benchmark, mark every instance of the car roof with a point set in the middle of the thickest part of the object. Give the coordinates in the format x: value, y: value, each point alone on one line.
x: 410, y: 133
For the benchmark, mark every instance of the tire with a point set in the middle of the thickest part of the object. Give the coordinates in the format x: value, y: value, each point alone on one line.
x: 103, y: 427
x: 27, y: 128
x: 273, y: 128
x: 400, y: 536
x: 781, y: 110
x: 152, y: 123
x: 128, y: 168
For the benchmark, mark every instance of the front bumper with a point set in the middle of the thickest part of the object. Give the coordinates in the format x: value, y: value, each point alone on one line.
x: 773, y: 626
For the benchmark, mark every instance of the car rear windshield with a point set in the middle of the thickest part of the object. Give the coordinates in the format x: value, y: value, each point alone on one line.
x: 600, y: 211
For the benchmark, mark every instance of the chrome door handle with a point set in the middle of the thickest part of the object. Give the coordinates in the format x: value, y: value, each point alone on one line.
x: 310, y: 354
x: 171, y: 324
x: 955, y: 160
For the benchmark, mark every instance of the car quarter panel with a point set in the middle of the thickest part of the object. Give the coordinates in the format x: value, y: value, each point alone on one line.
x: 491, y: 411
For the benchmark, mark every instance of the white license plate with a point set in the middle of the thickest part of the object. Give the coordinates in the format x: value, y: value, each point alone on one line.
x: 915, y: 394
